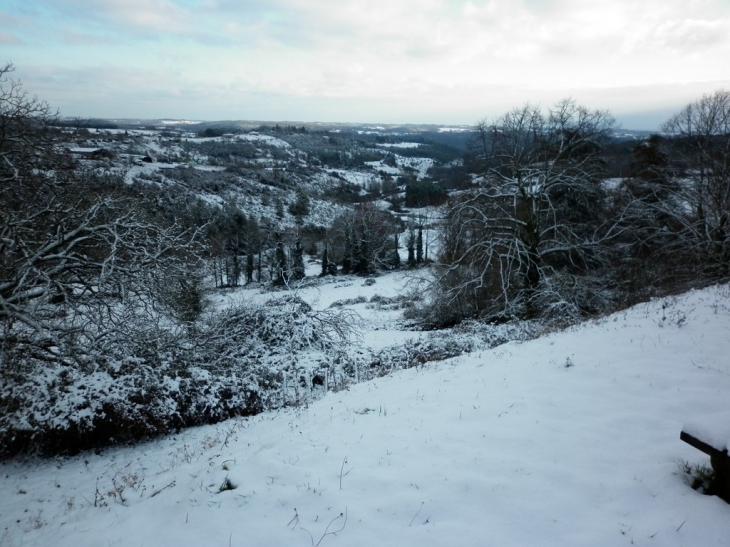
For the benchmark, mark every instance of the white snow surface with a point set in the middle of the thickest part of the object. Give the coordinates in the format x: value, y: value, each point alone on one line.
x: 380, y: 328
x: 571, y: 439
x: 358, y: 178
x: 401, y: 145
x: 380, y: 165
x: 420, y: 166
x: 266, y: 139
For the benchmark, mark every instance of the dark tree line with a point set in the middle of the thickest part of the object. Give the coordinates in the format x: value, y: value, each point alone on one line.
x: 363, y: 241
x: 676, y: 204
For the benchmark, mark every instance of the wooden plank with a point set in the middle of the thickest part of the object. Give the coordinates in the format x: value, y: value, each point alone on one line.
x: 702, y: 446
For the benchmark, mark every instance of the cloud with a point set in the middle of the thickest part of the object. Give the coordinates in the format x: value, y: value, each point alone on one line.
x: 402, y: 57
x: 75, y: 38
x: 690, y: 35
x: 140, y: 17
x: 8, y: 38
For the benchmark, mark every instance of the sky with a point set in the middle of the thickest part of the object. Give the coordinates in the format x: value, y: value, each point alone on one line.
x: 387, y: 61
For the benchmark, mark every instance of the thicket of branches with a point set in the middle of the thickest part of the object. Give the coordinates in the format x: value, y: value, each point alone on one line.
x: 239, y: 362
x: 104, y: 336
x: 526, y: 239
x: 544, y: 234
x: 364, y: 241
x: 680, y: 196
x: 85, y: 259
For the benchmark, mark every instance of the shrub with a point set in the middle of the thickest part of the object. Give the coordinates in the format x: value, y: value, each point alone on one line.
x: 237, y: 362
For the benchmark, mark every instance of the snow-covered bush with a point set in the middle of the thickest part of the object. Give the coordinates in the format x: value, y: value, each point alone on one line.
x: 237, y: 362
x: 467, y: 337
x: 348, y: 302
x: 282, y: 325
x: 57, y: 408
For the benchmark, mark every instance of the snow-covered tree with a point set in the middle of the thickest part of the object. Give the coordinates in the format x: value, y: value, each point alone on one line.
x: 675, y: 208
x: 526, y: 239
x: 25, y: 127
x: 699, y: 152
x: 85, y: 260
x: 281, y: 271
x: 297, y: 270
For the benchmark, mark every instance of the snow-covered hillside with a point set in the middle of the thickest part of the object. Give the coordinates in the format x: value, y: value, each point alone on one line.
x: 262, y: 173
x: 569, y: 439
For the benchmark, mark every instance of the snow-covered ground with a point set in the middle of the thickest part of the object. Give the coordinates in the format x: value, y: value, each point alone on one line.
x: 570, y: 439
x: 400, y: 145
x: 266, y: 139
x: 380, y: 165
x: 378, y: 327
x: 419, y: 165
x: 352, y: 176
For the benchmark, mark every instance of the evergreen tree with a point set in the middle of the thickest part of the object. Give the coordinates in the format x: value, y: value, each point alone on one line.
x: 253, y: 245
x: 396, y: 254
x: 363, y: 264
x: 411, y: 248
x: 325, y: 263
x: 249, y: 266
x: 347, y: 253
x: 300, y: 208
x: 419, y: 245
x: 281, y: 274
x: 298, y: 260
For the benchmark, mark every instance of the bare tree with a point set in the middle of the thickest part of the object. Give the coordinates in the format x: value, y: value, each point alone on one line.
x: 24, y: 121
x: 526, y: 238
x: 83, y: 261
x: 675, y: 209
x: 699, y: 208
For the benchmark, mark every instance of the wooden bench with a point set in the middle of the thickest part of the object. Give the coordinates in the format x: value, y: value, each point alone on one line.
x: 711, y: 435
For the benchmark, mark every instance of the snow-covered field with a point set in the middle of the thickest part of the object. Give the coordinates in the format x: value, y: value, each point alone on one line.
x: 570, y: 439
x: 358, y: 178
x: 378, y: 327
x: 400, y: 145
x: 420, y: 166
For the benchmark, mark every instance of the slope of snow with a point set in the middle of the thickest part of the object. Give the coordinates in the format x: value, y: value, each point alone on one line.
x: 352, y: 176
x: 419, y: 165
x: 267, y: 139
x: 380, y: 165
x: 400, y: 145
x: 571, y: 439
x: 380, y: 327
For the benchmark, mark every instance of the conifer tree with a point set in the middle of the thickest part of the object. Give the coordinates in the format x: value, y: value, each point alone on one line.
x: 411, y: 248
x: 419, y: 245
x: 298, y: 260
x: 249, y: 266
x: 396, y: 255
x: 325, y: 263
x: 347, y: 254
x: 281, y: 275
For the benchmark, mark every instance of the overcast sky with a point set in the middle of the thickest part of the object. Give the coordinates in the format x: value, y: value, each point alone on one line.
x: 390, y: 61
